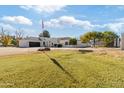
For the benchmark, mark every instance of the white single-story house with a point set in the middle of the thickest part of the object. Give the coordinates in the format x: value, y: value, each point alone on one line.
x: 38, y: 42
x: 49, y: 42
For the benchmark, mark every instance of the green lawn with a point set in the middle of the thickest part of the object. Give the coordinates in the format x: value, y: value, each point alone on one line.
x: 66, y: 69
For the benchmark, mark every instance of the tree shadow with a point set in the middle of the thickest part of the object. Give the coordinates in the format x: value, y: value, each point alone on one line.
x: 62, y: 68
x: 85, y: 51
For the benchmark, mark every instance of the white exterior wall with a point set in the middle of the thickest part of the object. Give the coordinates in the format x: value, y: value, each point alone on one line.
x: 79, y: 44
x: 122, y: 41
x: 63, y: 42
x: 117, y: 42
x: 48, y: 42
x: 52, y: 41
x: 1, y: 44
x: 23, y: 43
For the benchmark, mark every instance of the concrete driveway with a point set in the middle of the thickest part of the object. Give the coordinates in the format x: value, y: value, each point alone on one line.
x: 14, y: 50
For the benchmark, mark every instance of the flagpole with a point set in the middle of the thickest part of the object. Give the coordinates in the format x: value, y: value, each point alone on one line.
x: 42, y: 26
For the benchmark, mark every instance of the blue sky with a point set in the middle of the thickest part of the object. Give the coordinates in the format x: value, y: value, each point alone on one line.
x: 60, y: 21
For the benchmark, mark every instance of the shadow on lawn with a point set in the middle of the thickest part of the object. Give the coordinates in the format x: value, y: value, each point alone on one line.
x: 61, y: 67
x: 85, y: 51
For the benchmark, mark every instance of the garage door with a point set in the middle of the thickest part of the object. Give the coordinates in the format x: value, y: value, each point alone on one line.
x: 34, y: 44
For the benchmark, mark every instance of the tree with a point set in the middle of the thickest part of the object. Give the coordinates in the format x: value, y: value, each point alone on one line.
x: 109, y: 37
x: 18, y: 35
x: 99, y: 35
x: 2, y: 33
x: 94, y: 36
x: 14, y: 41
x: 45, y: 33
x: 5, y: 37
x: 91, y: 36
x: 73, y: 41
x: 6, y: 40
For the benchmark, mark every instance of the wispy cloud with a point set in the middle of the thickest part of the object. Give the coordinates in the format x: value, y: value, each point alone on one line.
x: 11, y: 30
x: 43, y: 8
x: 65, y: 21
x: 17, y: 20
x: 121, y: 7
x: 70, y: 21
x: 7, y: 27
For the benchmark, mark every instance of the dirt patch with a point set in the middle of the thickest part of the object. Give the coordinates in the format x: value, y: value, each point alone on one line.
x: 115, y: 52
x: 13, y: 50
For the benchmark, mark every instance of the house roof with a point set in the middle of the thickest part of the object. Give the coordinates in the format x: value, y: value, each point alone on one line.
x: 64, y: 38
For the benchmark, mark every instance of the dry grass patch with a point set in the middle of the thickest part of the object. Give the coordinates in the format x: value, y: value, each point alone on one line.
x: 100, y: 68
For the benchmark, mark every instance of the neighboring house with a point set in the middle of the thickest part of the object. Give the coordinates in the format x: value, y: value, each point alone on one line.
x: 122, y: 41
x: 97, y: 43
x: 101, y: 43
x: 1, y: 44
x: 117, y: 42
x: 80, y: 44
x: 64, y: 41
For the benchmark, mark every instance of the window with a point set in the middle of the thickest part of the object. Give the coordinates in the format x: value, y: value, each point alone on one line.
x: 43, y: 43
x: 66, y: 43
